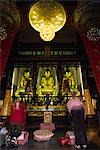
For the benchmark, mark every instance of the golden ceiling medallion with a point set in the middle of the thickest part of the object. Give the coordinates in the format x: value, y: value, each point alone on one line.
x: 47, y: 17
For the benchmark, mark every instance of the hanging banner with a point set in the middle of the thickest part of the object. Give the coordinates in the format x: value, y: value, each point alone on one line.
x: 93, y: 51
x: 5, y: 51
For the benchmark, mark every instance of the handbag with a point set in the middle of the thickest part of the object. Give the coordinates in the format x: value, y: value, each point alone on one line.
x: 64, y: 140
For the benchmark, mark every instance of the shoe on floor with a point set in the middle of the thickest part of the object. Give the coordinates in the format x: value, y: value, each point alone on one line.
x: 84, y: 146
x: 77, y: 146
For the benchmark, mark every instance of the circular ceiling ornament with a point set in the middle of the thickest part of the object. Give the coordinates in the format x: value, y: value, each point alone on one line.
x: 47, y: 15
x: 87, y: 19
x: 10, y: 18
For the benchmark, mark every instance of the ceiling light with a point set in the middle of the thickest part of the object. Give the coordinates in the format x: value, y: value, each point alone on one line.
x: 47, y: 17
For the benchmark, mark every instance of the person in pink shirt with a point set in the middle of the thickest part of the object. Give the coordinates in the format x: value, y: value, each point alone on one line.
x: 76, y: 109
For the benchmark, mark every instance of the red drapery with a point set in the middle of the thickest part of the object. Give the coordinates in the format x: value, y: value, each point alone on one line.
x: 93, y: 51
x: 5, y: 51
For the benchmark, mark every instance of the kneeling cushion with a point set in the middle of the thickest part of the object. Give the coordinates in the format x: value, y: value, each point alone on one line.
x: 42, y: 135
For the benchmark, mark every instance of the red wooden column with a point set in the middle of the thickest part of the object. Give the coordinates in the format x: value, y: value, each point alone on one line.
x: 93, y: 51
x: 5, y: 51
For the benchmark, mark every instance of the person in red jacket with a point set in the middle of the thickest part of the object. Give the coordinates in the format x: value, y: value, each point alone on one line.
x: 18, y: 113
x: 77, y: 112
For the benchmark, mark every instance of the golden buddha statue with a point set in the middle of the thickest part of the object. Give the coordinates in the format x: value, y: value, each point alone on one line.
x: 69, y: 76
x: 68, y: 83
x: 47, y: 84
x: 25, y: 84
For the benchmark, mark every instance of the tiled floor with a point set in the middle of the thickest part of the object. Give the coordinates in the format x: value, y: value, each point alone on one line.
x: 92, y: 133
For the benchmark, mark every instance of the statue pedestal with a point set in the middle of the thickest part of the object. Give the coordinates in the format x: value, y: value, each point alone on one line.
x: 45, y: 92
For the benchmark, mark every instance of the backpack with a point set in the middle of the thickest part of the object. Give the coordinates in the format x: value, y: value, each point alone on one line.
x: 14, y: 130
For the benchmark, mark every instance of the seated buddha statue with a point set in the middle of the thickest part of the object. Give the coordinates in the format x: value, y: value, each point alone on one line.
x: 47, y: 84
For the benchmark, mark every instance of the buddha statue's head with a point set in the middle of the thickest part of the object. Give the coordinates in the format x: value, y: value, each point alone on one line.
x: 27, y: 74
x: 68, y: 74
x: 47, y: 73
